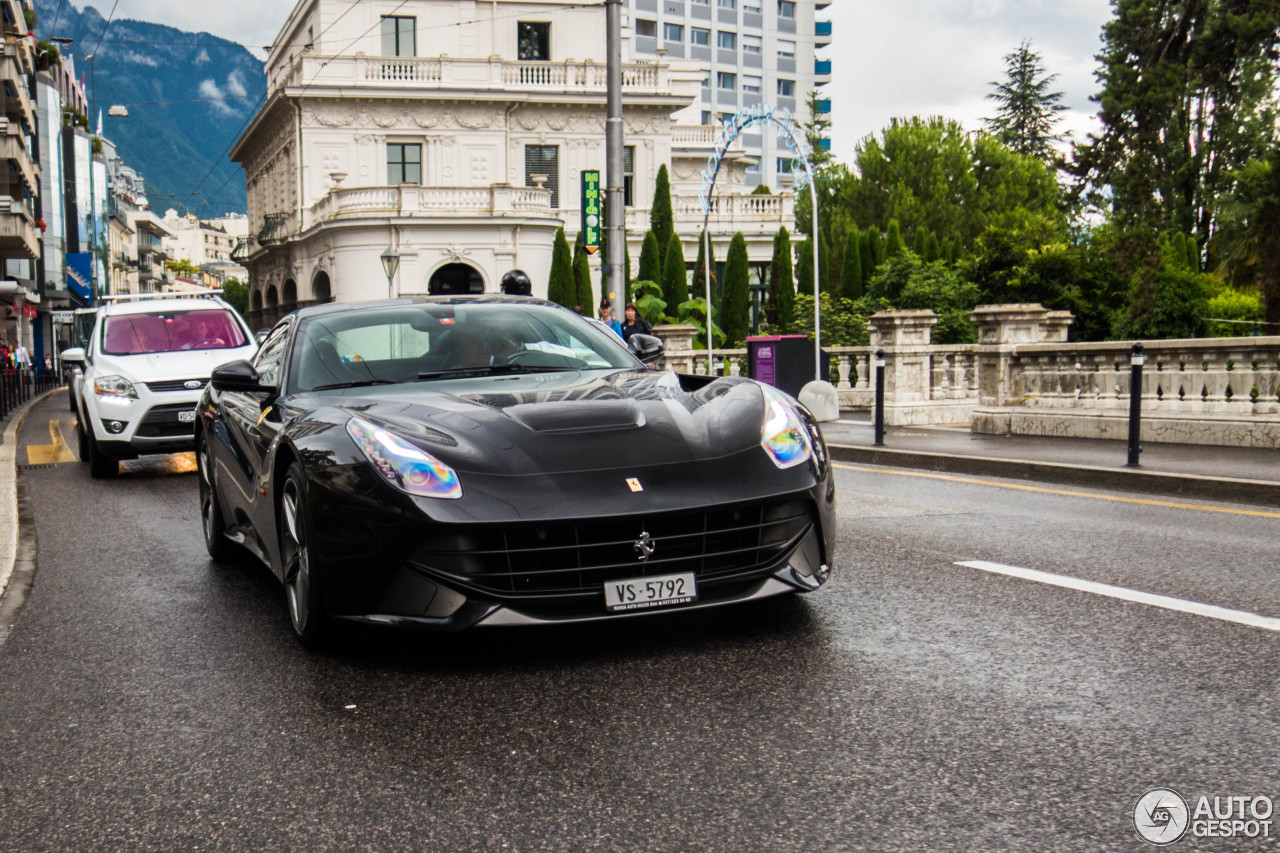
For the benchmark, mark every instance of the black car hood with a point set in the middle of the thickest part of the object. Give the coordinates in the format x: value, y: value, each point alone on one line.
x: 556, y: 422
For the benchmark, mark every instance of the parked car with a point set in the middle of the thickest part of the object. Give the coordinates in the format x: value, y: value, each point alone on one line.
x: 447, y: 462
x: 140, y: 374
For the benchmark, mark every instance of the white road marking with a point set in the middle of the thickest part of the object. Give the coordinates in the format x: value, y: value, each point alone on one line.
x: 1240, y: 617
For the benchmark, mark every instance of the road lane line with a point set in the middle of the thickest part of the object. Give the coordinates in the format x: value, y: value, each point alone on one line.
x: 57, y: 451
x: 1240, y: 617
x: 1046, y: 491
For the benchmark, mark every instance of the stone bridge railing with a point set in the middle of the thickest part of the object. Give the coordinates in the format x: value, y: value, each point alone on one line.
x: 1024, y: 377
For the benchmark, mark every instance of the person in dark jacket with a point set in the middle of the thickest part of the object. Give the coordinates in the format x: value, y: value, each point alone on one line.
x: 634, y: 323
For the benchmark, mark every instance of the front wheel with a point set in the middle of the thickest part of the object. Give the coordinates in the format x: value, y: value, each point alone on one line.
x: 218, y: 546
x: 301, y: 581
x: 101, y: 467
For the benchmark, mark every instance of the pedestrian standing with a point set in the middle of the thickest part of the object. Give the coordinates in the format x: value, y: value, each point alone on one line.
x: 606, y: 316
x: 634, y: 323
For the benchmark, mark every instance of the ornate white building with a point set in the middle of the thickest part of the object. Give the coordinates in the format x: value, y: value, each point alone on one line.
x: 453, y: 135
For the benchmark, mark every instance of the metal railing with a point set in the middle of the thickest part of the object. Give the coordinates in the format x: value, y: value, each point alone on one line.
x: 18, y: 385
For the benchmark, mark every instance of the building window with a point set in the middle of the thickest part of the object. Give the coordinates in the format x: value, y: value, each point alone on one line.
x: 753, y: 168
x: 727, y: 4
x: 397, y: 37
x: 786, y: 49
x: 786, y: 9
x: 534, y: 40
x: 543, y: 160
x: 750, y: 85
x: 697, y: 35
x: 628, y: 174
x: 672, y: 32
x: 783, y: 166
x: 404, y: 163
x: 701, y: 2
x: 726, y: 41
x: 725, y: 80
x: 751, y: 44
x: 645, y: 28
x: 751, y: 8
x: 787, y: 88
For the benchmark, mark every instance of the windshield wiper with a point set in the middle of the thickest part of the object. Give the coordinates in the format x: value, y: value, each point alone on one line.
x: 491, y: 370
x: 359, y: 383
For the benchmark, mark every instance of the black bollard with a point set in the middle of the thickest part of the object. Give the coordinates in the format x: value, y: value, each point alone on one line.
x: 1135, y: 404
x: 879, y: 398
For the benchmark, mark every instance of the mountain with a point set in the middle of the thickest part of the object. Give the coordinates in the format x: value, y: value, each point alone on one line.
x: 189, y: 96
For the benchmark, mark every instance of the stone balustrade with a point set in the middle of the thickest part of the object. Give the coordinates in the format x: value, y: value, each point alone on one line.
x: 411, y: 200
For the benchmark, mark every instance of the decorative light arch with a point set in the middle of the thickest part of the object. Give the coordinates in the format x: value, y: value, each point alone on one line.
x: 785, y: 126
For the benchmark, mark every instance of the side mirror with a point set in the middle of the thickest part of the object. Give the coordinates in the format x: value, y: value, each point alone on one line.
x: 647, y: 348
x: 237, y: 376
x: 73, y: 355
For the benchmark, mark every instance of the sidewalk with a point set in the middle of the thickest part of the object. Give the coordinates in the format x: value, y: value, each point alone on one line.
x: 1239, y: 474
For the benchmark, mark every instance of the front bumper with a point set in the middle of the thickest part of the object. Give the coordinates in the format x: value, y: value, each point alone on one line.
x: 150, y: 424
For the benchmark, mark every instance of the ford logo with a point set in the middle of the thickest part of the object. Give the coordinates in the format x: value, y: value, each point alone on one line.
x: 193, y: 384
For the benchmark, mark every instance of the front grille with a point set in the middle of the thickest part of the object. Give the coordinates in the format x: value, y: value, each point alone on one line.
x: 162, y: 422
x: 176, y: 385
x: 579, y: 556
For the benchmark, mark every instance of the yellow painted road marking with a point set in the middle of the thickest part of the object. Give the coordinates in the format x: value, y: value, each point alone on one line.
x: 43, y: 454
x: 1065, y: 492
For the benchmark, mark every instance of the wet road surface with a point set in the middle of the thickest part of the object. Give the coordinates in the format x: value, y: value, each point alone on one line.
x: 150, y: 699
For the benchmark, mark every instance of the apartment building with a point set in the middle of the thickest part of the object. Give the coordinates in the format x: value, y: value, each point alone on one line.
x: 750, y: 52
x: 20, y: 181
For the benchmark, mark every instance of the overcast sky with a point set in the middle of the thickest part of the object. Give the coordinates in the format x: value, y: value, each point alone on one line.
x: 889, y: 57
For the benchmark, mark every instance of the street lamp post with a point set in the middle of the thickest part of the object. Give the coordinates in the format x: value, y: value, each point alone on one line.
x: 390, y: 263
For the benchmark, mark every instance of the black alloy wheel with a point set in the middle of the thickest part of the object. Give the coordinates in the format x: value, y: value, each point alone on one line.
x: 219, y: 547
x: 301, y: 581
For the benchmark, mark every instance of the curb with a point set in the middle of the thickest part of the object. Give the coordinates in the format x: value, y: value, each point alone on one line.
x: 1261, y: 492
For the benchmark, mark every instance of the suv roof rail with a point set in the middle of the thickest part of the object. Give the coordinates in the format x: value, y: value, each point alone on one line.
x: 177, y: 294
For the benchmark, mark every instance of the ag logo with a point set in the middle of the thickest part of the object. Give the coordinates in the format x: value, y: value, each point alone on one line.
x: 1161, y: 816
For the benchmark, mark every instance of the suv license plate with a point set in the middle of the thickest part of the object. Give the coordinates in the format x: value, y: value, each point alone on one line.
x: 644, y: 593
x: 188, y: 417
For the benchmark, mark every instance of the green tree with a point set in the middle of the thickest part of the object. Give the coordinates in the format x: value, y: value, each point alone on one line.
x: 908, y: 282
x: 236, y: 294
x: 893, y: 244
x: 866, y: 250
x: 782, y: 285
x: 650, y: 259
x: 1248, y: 244
x: 851, y: 281
x: 675, y: 282
x: 735, y: 310
x: 1027, y: 110
x: 827, y: 282
x: 700, y: 271
x: 661, y: 220
x: 804, y: 266
x: 561, y: 287
x: 582, y: 281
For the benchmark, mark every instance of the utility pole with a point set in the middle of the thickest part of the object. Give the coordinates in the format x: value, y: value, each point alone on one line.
x: 615, y: 211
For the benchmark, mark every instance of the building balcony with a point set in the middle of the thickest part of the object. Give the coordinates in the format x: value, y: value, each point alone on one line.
x: 442, y: 202
x: 24, y: 49
x: 824, y: 105
x: 17, y: 104
x: 822, y: 68
x: 693, y: 137
x: 13, y: 149
x: 385, y: 74
x: 756, y: 216
x: 821, y: 33
x: 821, y: 4
x: 18, y: 235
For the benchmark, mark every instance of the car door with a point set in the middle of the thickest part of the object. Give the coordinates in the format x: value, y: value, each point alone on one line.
x: 252, y: 421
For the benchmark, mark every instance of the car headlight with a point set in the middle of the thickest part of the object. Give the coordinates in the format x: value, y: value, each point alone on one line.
x: 783, y: 435
x: 407, y: 467
x: 115, y: 386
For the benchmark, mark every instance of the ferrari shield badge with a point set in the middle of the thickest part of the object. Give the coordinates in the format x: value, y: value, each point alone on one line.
x: 634, y: 484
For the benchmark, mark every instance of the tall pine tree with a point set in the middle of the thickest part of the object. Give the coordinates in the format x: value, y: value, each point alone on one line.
x: 675, y: 284
x: 851, y: 284
x: 700, y: 272
x: 1027, y: 110
x: 782, y: 283
x: 561, y: 288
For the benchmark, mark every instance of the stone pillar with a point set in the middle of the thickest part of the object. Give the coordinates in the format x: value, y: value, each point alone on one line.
x: 905, y: 338
x: 1001, y: 328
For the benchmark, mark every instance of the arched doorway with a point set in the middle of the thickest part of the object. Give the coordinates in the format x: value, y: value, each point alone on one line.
x: 255, y: 310
x: 455, y: 279
x: 290, y: 300
x: 271, y: 311
x: 321, y: 287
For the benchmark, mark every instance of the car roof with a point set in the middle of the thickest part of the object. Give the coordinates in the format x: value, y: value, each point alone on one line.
x: 151, y: 306
x: 477, y: 299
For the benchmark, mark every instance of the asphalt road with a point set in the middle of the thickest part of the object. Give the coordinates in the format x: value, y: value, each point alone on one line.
x: 152, y: 700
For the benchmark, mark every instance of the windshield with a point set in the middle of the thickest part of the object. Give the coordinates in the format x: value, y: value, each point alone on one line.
x: 168, y: 331
x: 422, y: 342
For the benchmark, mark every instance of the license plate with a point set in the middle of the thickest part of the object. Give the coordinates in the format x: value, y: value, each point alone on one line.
x: 188, y: 417
x: 644, y: 593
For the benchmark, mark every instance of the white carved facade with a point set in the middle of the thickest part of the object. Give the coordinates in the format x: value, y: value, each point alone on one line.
x: 432, y: 153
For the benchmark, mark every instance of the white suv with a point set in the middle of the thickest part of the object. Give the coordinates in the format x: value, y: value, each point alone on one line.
x: 142, y: 371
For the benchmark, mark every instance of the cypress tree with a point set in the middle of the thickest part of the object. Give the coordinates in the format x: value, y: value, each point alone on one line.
x: 782, y: 282
x: 661, y: 220
x: 879, y: 253
x: 735, y: 312
x: 851, y: 286
x: 560, y: 284
x: 582, y: 282
x: 804, y: 267
x: 700, y: 272
x: 826, y: 280
x: 920, y: 242
x: 957, y: 249
x: 1193, y: 254
x: 933, y: 251
x: 650, y: 259
x: 867, y: 251
x: 893, y: 245
x: 675, y: 285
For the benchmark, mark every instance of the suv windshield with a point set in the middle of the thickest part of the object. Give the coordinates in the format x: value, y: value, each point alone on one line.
x: 167, y: 331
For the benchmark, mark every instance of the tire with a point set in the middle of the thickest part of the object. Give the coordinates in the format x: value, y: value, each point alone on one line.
x: 71, y: 397
x: 82, y: 442
x: 220, y: 548
x: 301, y: 581
x: 100, y: 467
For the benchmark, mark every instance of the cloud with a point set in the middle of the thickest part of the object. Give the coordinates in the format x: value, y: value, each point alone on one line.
x: 209, y: 89
x: 202, y: 57
x: 235, y: 85
x: 141, y: 59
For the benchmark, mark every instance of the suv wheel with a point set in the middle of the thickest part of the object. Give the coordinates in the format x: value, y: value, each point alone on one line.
x: 101, y: 467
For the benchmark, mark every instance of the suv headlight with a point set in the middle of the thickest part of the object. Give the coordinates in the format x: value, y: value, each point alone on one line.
x: 115, y: 386
x: 783, y: 434
x: 407, y: 467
